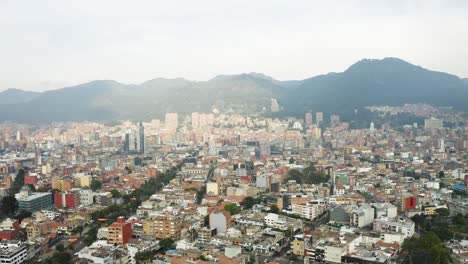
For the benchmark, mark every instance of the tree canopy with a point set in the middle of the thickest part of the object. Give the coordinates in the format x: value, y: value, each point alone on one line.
x: 309, y: 176
x: 95, y: 184
x: 232, y: 208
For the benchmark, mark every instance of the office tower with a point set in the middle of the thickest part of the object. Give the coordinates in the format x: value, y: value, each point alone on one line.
x: 335, y: 120
x: 172, y: 121
x: 372, y: 126
x: 308, y: 120
x: 127, y: 143
x: 141, y: 139
x: 195, y: 120
x: 433, y: 123
x: 18, y: 135
x: 319, y: 118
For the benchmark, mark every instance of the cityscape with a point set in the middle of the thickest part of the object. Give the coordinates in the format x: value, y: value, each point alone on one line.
x: 234, y: 132
x: 206, y: 187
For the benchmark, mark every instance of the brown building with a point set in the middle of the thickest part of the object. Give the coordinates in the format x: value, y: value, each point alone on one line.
x: 120, y: 232
x: 167, y: 227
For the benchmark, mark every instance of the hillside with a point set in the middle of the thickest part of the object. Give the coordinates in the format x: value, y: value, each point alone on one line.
x: 389, y: 81
x: 14, y: 96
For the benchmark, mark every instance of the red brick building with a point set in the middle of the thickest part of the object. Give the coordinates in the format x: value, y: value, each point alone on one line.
x: 120, y: 232
x: 66, y: 200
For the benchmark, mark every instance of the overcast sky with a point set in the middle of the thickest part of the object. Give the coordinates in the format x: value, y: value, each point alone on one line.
x: 50, y: 44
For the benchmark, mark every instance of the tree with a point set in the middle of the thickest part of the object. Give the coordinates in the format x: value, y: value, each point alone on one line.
x: 295, y: 175
x: 232, y: 208
x: 79, y: 229
x: 443, y: 211
x: 95, y: 184
x: 441, y: 174
x: 166, y: 243
x: 32, y: 187
x: 42, y: 189
x: 427, y: 247
x: 248, y: 202
x: 274, y: 209
x: 19, y: 181
x: 59, y: 247
x: 9, y: 205
x: 23, y: 214
x: 115, y: 193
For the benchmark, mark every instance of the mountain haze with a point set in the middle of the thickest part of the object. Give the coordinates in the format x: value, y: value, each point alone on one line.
x: 389, y: 81
x: 14, y: 96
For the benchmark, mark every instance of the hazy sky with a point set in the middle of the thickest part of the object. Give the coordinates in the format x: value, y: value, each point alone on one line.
x: 50, y: 44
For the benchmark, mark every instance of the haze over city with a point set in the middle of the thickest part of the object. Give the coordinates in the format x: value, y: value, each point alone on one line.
x: 52, y: 44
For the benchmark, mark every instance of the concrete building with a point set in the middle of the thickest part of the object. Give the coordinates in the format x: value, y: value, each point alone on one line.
x: 221, y: 221
x: 120, y: 232
x: 384, y: 210
x: 362, y: 216
x: 167, y: 227
x: 212, y: 189
x: 12, y: 252
x: 32, y: 202
x: 400, y: 226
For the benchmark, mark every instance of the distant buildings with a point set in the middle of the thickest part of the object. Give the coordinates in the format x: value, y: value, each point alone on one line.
x: 318, y: 118
x: 172, y: 121
x: 432, y: 123
x: 308, y: 120
x: 134, y: 142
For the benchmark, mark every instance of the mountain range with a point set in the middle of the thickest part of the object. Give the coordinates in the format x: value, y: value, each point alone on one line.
x: 389, y: 81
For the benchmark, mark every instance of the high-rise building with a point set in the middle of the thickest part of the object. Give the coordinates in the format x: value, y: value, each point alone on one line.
x: 432, y: 123
x: 172, y: 121
x: 141, y: 134
x: 195, y: 120
x: 134, y: 141
x: 308, y: 120
x: 335, y: 120
x: 319, y: 118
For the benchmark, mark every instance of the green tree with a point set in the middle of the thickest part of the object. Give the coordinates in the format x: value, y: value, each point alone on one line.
x: 443, y: 211
x: 428, y: 246
x: 95, y: 184
x: 79, y: 229
x: 116, y: 193
x: 166, y: 243
x: 441, y: 174
x: 295, y: 175
x: 274, y: 209
x: 59, y: 247
x: 19, y: 181
x: 9, y: 205
x: 32, y: 187
x: 248, y: 202
x: 23, y: 214
x: 232, y: 208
